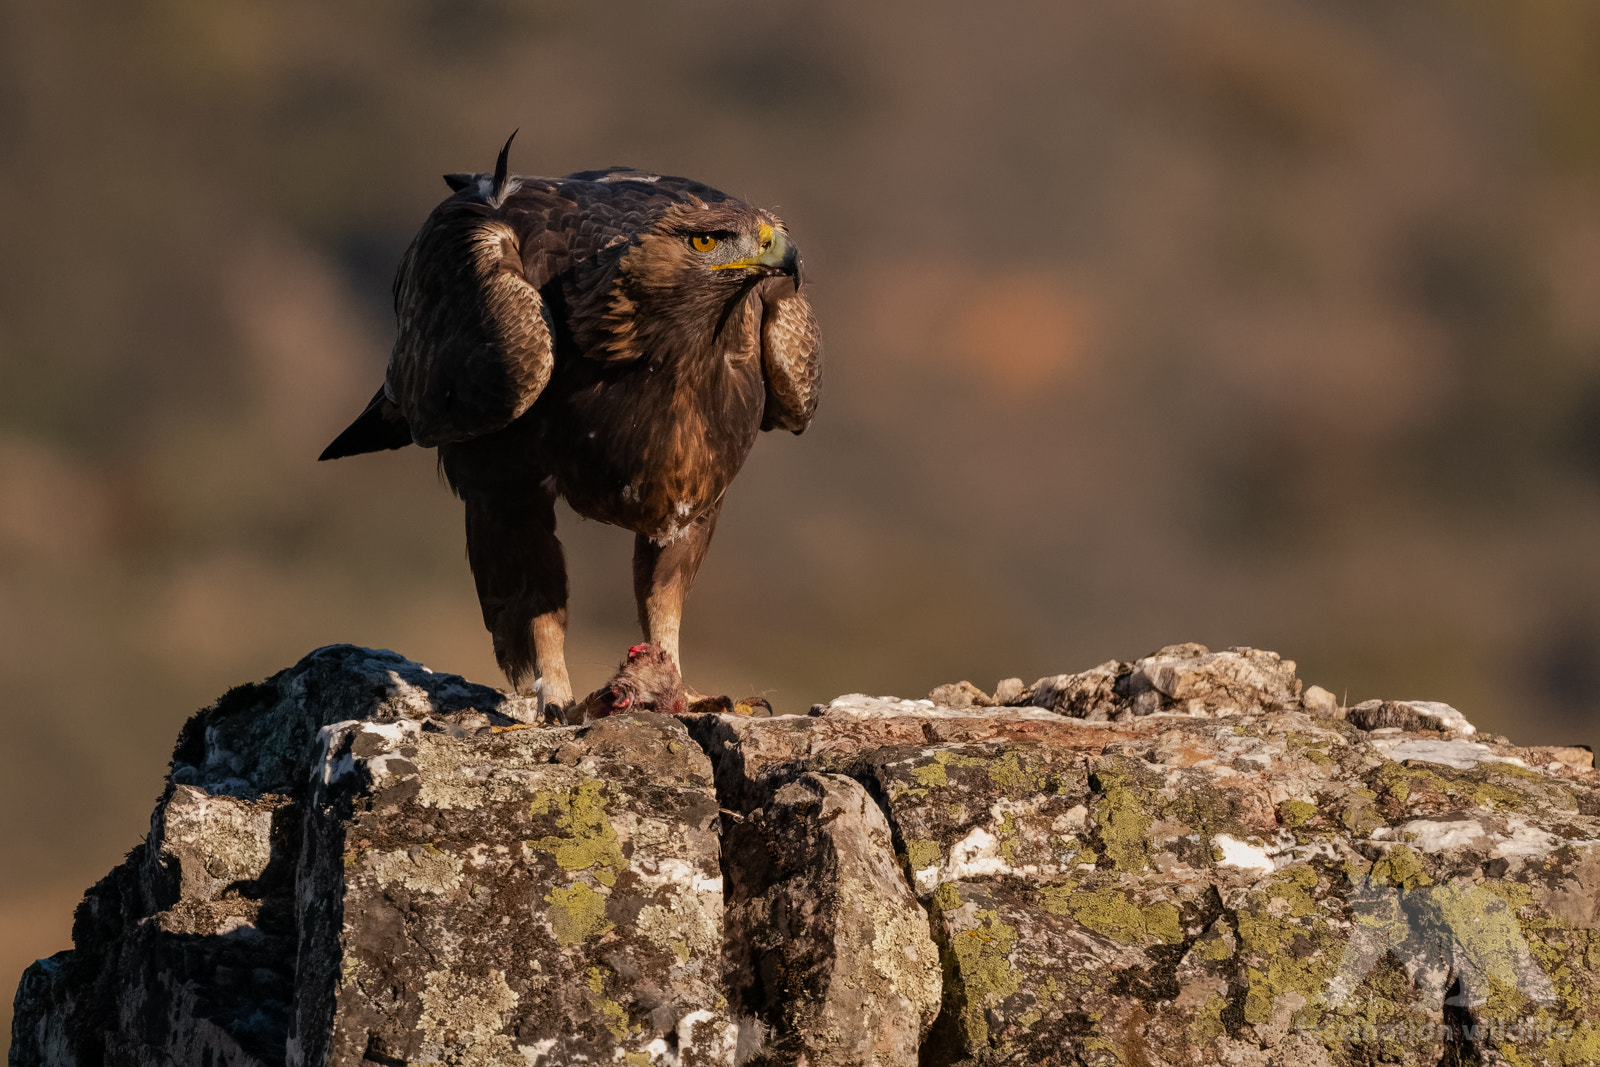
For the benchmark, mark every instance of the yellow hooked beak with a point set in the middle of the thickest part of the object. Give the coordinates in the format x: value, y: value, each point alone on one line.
x: 778, y: 255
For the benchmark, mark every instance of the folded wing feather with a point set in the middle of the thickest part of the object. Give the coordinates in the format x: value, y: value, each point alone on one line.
x: 791, y: 356
x: 475, y: 347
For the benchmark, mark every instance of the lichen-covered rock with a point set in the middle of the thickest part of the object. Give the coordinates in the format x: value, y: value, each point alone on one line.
x: 1187, y: 859
x: 532, y: 896
x: 1231, y: 874
x: 187, y: 953
x: 1182, y: 679
x: 825, y: 937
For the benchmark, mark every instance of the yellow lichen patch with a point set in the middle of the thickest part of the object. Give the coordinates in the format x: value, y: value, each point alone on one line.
x: 1207, y: 1024
x: 1582, y: 1046
x: 1287, y: 973
x: 1490, y: 785
x: 1124, y: 824
x: 1485, y: 928
x: 349, y: 972
x: 935, y: 774
x: 985, y: 971
x: 1215, y: 948
x: 1057, y: 899
x: 1111, y: 914
x: 1161, y: 920
x: 577, y: 914
x: 1007, y: 833
x: 1011, y: 777
x: 946, y: 897
x: 1401, y: 867
x: 1292, y: 886
x: 923, y: 854
x: 1298, y: 959
x: 591, y: 842
x: 613, y: 1016
x: 1292, y: 813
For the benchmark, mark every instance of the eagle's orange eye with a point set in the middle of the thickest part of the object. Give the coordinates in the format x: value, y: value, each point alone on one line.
x: 703, y: 242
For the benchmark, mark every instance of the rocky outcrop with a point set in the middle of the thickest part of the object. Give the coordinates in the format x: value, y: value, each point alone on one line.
x: 1185, y: 859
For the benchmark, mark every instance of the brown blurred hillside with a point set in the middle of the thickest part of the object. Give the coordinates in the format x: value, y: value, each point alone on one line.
x: 1257, y: 323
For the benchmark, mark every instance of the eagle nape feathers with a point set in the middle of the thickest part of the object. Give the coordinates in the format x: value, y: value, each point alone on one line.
x: 615, y: 338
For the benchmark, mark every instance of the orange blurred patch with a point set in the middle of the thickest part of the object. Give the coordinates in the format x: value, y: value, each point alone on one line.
x: 1009, y: 333
x: 1023, y: 331
x: 50, y: 508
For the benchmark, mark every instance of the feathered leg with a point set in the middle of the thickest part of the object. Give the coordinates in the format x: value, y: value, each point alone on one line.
x: 522, y: 588
x: 662, y: 576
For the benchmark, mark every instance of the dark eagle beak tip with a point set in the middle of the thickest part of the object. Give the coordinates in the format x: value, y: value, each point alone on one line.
x: 781, y: 257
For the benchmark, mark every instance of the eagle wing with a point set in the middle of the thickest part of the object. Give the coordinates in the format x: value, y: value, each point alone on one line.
x: 476, y: 341
x: 791, y: 356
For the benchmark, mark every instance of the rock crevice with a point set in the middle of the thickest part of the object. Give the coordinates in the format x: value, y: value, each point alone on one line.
x: 1184, y: 859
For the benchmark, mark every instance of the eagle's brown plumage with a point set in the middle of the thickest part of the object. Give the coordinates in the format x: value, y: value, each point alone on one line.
x: 612, y: 337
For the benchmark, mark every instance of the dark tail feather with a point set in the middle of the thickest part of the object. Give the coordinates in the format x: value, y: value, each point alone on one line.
x: 379, y: 427
x: 502, y: 176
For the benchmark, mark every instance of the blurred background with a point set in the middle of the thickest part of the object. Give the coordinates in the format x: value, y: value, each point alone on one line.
x: 1247, y: 322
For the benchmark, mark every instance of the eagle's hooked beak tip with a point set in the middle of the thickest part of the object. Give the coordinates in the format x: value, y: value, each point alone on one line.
x: 778, y: 255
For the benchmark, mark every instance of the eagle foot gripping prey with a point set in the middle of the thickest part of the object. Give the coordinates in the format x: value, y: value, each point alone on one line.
x: 648, y: 680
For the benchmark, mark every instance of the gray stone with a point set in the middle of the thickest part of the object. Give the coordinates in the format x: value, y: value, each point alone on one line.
x: 825, y: 937
x: 1185, y: 679
x: 961, y: 694
x: 1410, y: 715
x: 1318, y: 701
x: 475, y: 901
x: 1243, y: 882
x: 1182, y: 859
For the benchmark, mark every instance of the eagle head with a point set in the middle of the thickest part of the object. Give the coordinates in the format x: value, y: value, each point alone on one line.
x: 672, y: 285
x: 706, y: 254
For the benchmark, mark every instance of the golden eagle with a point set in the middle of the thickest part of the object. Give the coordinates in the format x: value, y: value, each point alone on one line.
x: 614, y: 337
